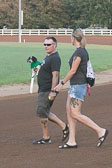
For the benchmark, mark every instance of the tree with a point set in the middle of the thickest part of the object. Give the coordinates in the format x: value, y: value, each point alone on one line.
x: 101, y: 12
x: 56, y: 13
x: 8, y: 13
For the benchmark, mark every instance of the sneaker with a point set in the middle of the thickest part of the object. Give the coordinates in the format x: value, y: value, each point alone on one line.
x: 42, y: 141
x: 65, y: 132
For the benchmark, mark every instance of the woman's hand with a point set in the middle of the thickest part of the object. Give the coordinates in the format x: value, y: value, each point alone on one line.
x: 58, y: 87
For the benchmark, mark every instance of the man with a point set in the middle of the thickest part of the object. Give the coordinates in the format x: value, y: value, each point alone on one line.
x: 48, y: 78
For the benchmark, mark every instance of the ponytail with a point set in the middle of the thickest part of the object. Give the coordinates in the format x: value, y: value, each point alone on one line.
x: 78, y: 35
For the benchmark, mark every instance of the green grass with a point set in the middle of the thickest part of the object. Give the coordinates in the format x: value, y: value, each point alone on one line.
x: 15, y: 69
x: 101, y: 57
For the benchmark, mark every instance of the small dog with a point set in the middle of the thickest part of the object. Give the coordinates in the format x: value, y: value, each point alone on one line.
x: 32, y: 59
x: 35, y: 66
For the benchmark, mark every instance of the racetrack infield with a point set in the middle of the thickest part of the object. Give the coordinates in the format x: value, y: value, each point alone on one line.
x: 19, y: 126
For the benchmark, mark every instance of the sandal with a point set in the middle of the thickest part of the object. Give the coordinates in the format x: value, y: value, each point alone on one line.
x: 42, y: 141
x: 102, y: 139
x: 66, y: 146
x: 65, y: 132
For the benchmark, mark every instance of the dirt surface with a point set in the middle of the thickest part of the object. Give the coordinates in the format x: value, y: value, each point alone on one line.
x: 19, y: 126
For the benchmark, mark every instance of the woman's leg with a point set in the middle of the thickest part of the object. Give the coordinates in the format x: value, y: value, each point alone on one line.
x: 72, y: 124
x: 76, y: 114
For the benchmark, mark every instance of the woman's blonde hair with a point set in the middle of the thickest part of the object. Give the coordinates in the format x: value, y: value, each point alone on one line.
x: 79, y: 36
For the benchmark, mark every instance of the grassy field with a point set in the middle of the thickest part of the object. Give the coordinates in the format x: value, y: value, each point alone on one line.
x: 14, y: 68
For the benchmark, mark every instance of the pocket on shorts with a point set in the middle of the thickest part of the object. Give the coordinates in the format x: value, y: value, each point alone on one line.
x: 84, y: 90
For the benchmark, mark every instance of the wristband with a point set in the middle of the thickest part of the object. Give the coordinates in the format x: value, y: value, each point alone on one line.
x: 62, y: 83
x: 54, y: 91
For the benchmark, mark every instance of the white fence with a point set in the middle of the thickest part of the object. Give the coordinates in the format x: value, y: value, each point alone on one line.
x: 105, y: 32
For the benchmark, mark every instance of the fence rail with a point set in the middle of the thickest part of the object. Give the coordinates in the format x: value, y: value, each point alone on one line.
x: 103, y: 32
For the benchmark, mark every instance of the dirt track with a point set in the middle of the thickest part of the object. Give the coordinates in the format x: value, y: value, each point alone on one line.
x: 19, y: 126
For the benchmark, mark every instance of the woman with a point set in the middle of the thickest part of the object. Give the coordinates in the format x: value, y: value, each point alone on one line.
x: 77, y: 92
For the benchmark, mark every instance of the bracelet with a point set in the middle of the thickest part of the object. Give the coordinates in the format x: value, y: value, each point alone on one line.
x: 62, y: 83
x: 54, y: 91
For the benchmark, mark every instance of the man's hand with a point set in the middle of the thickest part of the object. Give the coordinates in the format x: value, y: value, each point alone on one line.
x: 52, y: 95
x: 35, y: 69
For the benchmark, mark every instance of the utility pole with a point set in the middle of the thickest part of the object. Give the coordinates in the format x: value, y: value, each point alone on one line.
x: 19, y: 21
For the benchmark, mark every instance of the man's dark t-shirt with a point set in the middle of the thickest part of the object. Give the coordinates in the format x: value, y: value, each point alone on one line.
x: 50, y: 63
x: 80, y: 76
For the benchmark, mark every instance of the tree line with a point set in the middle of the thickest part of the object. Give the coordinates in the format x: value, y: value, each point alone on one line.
x: 45, y: 14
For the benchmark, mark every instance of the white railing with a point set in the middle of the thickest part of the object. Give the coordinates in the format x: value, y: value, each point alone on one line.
x: 55, y: 32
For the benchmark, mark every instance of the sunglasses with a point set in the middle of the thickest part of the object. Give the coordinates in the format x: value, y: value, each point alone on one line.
x: 48, y: 44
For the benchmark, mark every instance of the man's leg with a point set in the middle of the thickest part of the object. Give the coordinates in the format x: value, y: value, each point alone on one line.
x: 43, y: 112
x: 65, y: 129
x: 44, y: 124
x: 43, y: 109
x: 52, y: 117
x: 46, y: 138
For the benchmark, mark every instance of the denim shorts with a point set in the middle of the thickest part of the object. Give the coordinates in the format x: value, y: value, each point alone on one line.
x: 78, y: 91
x: 43, y: 104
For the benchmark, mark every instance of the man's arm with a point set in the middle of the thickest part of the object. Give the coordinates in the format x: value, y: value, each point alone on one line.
x: 55, y: 76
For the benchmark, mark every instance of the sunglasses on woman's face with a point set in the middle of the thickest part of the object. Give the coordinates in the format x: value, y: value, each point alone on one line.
x: 48, y: 44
